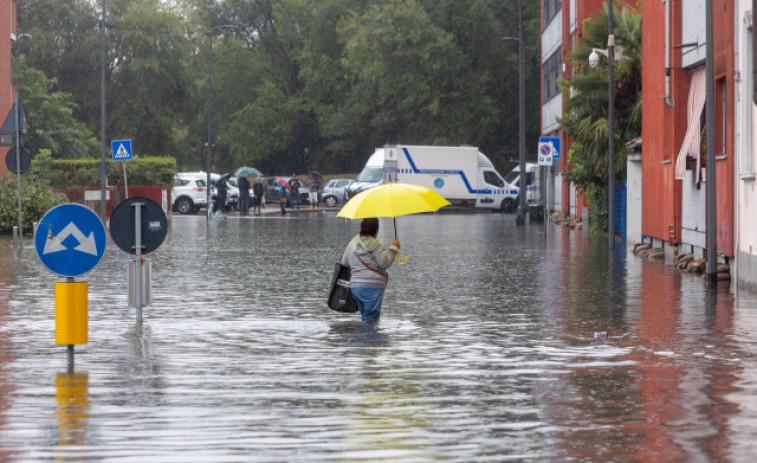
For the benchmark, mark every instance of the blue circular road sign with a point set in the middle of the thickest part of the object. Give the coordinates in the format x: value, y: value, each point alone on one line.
x: 70, y: 239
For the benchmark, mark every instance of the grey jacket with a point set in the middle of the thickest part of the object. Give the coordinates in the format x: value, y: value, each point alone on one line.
x: 374, y: 255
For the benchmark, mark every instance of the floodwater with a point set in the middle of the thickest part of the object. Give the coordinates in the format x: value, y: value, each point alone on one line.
x: 486, y: 352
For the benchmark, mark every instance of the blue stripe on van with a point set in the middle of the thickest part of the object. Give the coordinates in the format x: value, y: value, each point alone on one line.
x: 415, y: 170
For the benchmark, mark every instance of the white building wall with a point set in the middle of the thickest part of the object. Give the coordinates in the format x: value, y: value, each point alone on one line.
x: 551, y: 40
x: 693, y: 220
x: 633, y: 199
x: 746, y: 181
x: 550, y: 111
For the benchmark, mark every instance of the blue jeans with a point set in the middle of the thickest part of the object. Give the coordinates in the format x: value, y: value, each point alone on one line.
x: 369, y: 302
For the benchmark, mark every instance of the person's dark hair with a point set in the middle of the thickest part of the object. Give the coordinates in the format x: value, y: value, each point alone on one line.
x: 369, y: 226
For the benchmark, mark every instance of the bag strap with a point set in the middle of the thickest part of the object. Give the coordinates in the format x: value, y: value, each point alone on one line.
x: 383, y: 274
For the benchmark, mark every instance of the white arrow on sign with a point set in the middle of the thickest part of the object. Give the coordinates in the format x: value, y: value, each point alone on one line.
x: 86, y: 243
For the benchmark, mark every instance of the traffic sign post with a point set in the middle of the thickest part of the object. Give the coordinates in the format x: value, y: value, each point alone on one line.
x: 138, y: 226
x: 70, y: 241
x: 121, y: 150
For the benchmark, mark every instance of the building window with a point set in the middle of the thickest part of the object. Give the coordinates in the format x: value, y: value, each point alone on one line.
x: 549, y: 9
x: 552, y: 69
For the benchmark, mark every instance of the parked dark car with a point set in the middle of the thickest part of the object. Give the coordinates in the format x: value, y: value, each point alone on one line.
x: 272, y: 190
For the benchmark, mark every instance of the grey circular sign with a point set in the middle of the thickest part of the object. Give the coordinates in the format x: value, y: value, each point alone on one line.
x: 24, y: 159
x: 153, y: 227
x: 103, y: 168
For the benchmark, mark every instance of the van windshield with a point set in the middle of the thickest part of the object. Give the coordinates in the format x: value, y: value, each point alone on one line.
x: 512, y: 176
x: 370, y: 174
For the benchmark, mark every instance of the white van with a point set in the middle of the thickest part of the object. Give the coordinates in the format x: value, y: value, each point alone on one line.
x: 533, y: 194
x: 461, y: 174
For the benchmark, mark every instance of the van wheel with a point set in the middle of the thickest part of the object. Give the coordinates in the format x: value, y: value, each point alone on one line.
x: 509, y: 205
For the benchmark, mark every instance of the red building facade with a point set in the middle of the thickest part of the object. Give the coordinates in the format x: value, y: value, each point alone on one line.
x: 7, y: 30
x: 673, y: 52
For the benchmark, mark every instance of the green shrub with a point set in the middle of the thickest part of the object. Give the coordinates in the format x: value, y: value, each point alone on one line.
x: 35, y: 202
x: 82, y: 173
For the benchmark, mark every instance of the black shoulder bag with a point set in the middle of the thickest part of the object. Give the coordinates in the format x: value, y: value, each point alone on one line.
x: 340, y: 296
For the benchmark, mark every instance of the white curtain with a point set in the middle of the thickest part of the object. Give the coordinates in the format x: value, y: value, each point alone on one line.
x: 693, y: 138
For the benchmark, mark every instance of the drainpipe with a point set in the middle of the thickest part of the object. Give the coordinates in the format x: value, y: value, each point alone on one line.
x: 668, y: 100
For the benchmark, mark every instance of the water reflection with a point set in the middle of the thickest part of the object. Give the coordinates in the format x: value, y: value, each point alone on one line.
x: 72, y: 399
x: 485, y: 352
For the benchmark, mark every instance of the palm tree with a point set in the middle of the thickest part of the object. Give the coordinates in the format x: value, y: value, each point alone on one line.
x: 585, y: 117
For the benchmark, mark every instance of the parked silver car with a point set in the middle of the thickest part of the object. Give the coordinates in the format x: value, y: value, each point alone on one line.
x: 335, y: 192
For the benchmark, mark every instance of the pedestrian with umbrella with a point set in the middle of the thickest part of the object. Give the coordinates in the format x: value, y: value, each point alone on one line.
x: 244, y: 195
x: 365, y: 256
x: 222, y: 188
x: 368, y: 261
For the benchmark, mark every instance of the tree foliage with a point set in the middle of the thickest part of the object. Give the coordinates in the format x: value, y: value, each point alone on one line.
x: 298, y: 85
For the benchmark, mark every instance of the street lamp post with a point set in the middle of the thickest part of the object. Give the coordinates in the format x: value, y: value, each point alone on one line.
x: 18, y: 139
x: 610, y: 127
x: 612, y: 53
x: 521, y: 115
x: 209, y: 141
x: 103, y: 166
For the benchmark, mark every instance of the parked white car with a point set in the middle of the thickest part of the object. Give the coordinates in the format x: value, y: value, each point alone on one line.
x: 189, y: 192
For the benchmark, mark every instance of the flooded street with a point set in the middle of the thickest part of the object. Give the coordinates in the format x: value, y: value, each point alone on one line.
x: 485, y: 352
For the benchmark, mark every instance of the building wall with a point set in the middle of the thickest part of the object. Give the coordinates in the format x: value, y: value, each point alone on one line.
x: 745, y: 271
x: 663, y: 123
x: 7, y: 26
x: 674, y: 210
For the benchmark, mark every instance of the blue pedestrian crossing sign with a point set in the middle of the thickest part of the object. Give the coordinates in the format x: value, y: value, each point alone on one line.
x: 121, y: 150
x: 70, y: 239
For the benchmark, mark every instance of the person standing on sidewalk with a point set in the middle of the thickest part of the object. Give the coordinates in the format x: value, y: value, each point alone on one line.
x: 258, y: 190
x: 244, y: 195
x: 222, y: 189
x: 283, y: 198
x: 315, y: 184
x: 294, y: 186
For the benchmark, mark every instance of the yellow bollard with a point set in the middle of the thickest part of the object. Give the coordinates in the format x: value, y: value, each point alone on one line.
x: 71, y: 326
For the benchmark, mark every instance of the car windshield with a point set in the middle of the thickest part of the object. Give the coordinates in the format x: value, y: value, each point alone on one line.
x: 370, y: 174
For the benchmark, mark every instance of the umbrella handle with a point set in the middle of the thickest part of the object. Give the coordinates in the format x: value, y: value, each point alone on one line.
x: 401, y: 262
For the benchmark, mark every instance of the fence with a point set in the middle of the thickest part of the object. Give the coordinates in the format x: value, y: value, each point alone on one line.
x: 113, y: 196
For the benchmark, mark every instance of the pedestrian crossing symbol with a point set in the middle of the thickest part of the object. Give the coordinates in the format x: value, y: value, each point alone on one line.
x: 121, y: 150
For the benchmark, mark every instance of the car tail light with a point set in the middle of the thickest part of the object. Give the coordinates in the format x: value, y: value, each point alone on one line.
x: 198, y: 188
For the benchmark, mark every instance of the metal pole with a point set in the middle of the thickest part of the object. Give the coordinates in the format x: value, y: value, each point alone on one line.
x: 210, y: 119
x: 522, y: 113
x: 18, y: 142
x: 711, y: 213
x: 208, y: 162
x: 103, y: 177
x: 138, y: 258
x: 70, y: 347
x: 611, y: 127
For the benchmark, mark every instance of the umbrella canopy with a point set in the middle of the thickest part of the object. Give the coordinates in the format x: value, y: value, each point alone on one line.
x: 283, y: 182
x: 392, y: 200
x: 223, y: 177
x: 245, y: 171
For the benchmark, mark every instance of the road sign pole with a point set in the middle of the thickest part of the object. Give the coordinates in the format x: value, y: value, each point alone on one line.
x: 138, y: 258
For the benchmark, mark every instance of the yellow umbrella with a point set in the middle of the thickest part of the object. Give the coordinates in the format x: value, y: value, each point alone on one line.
x: 392, y: 200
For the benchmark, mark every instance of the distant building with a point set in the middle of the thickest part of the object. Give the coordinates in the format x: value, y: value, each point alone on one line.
x: 7, y: 31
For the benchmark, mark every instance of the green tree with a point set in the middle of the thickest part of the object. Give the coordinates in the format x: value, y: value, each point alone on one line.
x: 50, y: 118
x: 586, y: 118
